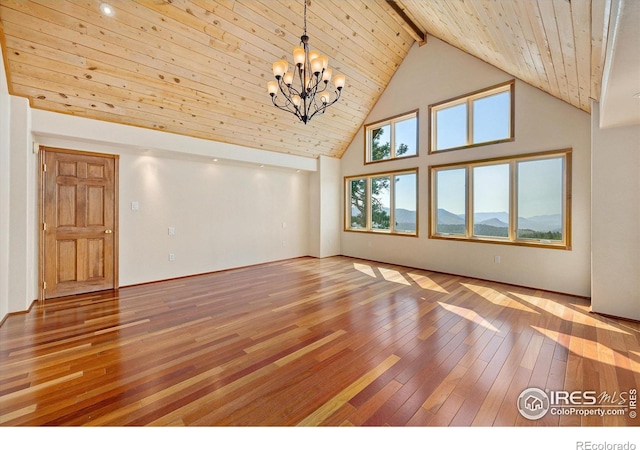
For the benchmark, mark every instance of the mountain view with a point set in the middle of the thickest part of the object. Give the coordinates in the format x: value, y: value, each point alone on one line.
x: 497, y: 224
x: 405, y: 219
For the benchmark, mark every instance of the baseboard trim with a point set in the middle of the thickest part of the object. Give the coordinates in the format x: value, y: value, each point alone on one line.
x: 17, y: 313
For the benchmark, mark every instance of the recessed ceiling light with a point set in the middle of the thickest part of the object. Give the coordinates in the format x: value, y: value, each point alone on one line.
x: 261, y: 165
x: 107, y: 9
x: 215, y: 159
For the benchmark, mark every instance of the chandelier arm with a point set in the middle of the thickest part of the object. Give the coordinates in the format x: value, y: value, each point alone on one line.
x: 300, y: 78
x: 290, y: 90
x: 288, y: 104
x: 321, y: 110
x: 287, y: 107
x: 318, y: 79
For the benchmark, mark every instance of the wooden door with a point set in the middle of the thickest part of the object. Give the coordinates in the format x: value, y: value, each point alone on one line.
x: 79, y: 210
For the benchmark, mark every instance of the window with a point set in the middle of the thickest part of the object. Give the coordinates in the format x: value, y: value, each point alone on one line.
x: 451, y: 198
x: 383, y: 203
x: 392, y: 138
x: 521, y: 200
x: 481, y: 118
x: 358, y: 196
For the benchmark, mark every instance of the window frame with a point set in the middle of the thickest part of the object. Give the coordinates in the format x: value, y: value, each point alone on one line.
x: 468, y: 99
x: 391, y: 121
x: 512, y: 238
x: 368, y: 220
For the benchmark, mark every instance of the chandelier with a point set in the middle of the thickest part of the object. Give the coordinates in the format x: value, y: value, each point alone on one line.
x: 305, y: 91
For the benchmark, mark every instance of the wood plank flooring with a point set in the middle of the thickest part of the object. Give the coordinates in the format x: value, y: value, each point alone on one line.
x: 310, y: 342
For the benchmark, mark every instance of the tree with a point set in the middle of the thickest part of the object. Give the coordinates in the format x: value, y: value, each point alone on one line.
x: 379, y: 217
x: 358, y: 198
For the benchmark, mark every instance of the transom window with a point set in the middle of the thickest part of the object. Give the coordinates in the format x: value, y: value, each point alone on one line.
x: 392, y: 138
x: 382, y: 203
x: 523, y: 200
x: 481, y: 118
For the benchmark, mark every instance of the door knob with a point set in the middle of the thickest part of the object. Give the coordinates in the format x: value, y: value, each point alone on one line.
x: 108, y: 231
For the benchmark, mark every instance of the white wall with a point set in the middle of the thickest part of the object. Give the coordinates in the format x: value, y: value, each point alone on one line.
x: 224, y: 216
x: 325, y: 211
x: 23, y: 208
x: 5, y: 179
x: 436, y: 72
x: 18, y: 185
x: 616, y: 219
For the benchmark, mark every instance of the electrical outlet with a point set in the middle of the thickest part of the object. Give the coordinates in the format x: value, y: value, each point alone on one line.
x: 496, y: 259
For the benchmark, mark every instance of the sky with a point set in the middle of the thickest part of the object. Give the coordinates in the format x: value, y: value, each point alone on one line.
x: 451, y: 190
x: 491, y: 121
x: 491, y: 188
x: 405, y: 193
x: 539, y: 188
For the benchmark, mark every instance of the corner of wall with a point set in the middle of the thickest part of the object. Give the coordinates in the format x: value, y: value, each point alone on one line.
x: 325, y: 208
x: 615, y: 219
x: 5, y: 180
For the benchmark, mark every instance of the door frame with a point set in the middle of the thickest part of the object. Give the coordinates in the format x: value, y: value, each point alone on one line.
x: 42, y: 149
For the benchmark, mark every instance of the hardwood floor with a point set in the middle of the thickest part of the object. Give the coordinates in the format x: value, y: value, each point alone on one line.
x: 308, y: 342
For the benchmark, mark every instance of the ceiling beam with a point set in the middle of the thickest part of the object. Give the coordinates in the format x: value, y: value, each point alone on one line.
x: 407, y: 23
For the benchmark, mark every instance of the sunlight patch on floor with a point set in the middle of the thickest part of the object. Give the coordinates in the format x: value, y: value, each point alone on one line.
x: 585, y: 348
x: 469, y: 314
x: 497, y: 297
x: 576, y: 313
x: 393, y: 276
x: 427, y: 283
x: 529, y: 299
x: 365, y: 269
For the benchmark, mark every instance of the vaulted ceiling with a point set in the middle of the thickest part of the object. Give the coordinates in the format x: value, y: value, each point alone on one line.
x: 200, y: 67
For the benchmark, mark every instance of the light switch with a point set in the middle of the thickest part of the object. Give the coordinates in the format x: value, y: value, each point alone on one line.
x: 134, y: 206
x: 172, y: 231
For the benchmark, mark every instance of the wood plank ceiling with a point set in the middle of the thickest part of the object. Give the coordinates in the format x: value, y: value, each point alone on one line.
x: 200, y: 67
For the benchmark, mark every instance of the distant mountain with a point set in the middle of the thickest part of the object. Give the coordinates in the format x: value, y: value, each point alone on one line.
x: 447, y: 218
x: 404, y: 215
x: 493, y: 223
x: 405, y: 219
x: 549, y: 222
x: 481, y: 217
x: 543, y: 223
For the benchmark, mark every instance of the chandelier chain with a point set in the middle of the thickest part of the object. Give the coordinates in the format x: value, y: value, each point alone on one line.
x: 305, y: 17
